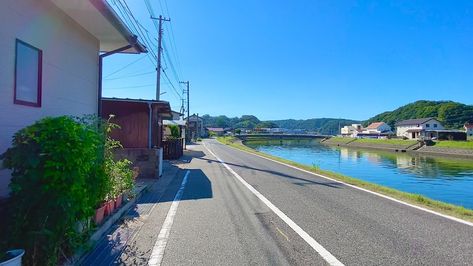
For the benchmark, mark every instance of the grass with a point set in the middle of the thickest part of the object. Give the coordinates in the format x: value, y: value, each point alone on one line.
x: 416, y: 199
x: 340, y: 140
x: 468, y: 145
x: 394, y: 142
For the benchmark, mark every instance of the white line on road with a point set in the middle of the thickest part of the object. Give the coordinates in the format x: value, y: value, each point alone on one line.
x: 363, y: 189
x: 159, y: 247
x: 325, y: 254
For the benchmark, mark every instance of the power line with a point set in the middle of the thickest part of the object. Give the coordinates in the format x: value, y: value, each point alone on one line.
x: 120, y: 69
x: 133, y: 75
x: 172, y: 85
x: 130, y: 87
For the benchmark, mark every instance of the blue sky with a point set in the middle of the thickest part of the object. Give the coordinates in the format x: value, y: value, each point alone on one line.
x: 304, y: 59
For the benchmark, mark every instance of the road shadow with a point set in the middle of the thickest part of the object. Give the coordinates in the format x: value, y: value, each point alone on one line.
x: 303, y: 183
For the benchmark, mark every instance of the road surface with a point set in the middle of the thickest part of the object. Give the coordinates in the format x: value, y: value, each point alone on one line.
x: 253, y: 211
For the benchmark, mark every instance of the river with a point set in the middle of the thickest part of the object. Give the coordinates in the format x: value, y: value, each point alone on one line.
x: 445, y: 179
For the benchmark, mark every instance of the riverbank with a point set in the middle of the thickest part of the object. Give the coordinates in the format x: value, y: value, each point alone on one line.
x: 419, y: 200
x: 441, y: 148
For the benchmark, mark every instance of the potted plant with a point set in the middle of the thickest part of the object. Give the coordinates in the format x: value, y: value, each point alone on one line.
x: 118, y: 201
x: 12, y: 257
x: 100, y: 214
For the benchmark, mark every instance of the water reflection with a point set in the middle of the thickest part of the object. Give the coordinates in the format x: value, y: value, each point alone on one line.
x: 446, y: 179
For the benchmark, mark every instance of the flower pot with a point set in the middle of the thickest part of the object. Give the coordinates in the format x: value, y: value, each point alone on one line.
x: 13, y: 258
x: 99, y: 214
x: 118, y: 201
x: 110, y: 207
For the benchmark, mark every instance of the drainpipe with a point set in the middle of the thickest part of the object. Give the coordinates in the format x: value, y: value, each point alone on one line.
x: 133, y: 43
x: 150, y: 124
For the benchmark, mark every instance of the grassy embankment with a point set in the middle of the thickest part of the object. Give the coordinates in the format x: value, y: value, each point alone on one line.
x: 381, y: 142
x: 419, y: 200
x: 466, y: 145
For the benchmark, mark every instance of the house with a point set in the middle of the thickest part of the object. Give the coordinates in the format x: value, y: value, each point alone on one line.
x: 140, y: 132
x: 218, y: 131
x: 175, y: 119
x: 416, y: 128
x: 51, y: 62
x: 351, y: 130
x: 377, y: 128
x: 468, y: 129
x: 195, y: 127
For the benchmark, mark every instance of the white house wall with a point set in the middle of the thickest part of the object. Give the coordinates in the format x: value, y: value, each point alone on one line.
x: 70, y: 66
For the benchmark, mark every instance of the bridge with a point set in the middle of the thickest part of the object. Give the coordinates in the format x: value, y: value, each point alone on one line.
x: 282, y: 136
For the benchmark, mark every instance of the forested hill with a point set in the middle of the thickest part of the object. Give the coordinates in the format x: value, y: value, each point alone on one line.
x: 320, y: 125
x: 325, y: 126
x: 451, y: 114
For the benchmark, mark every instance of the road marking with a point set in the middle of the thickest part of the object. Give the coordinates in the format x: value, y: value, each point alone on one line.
x: 325, y: 254
x: 363, y: 189
x: 160, y: 246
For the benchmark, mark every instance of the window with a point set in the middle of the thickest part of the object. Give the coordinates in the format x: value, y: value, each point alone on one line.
x: 28, y: 68
x: 427, y: 125
x: 435, y: 125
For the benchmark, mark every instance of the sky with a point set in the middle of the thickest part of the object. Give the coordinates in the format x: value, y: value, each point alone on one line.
x: 302, y: 59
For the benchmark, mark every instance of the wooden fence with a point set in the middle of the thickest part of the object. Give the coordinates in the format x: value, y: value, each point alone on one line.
x: 173, y: 149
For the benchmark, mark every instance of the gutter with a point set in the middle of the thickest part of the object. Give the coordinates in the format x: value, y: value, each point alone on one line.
x: 101, y: 57
x: 107, y: 11
x: 150, y: 124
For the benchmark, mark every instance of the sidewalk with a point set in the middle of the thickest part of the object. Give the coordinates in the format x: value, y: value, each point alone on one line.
x: 110, y: 249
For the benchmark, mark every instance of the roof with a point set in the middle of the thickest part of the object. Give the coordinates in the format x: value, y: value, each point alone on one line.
x: 468, y: 125
x: 216, y: 129
x: 375, y: 125
x: 446, y: 130
x: 163, y: 106
x: 176, y: 113
x: 174, y: 122
x: 417, y: 121
x: 99, y: 19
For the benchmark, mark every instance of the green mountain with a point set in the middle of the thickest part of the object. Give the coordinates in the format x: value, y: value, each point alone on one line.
x: 320, y: 125
x: 324, y: 126
x: 451, y: 114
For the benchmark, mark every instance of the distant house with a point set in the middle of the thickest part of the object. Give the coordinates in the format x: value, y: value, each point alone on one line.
x: 51, y: 61
x: 377, y: 128
x: 351, y: 130
x: 468, y: 129
x: 418, y: 128
x: 175, y: 119
x: 216, y: 130
x: 195, y: 127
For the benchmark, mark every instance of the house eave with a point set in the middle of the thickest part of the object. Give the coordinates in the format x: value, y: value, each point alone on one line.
x: 99, y: 19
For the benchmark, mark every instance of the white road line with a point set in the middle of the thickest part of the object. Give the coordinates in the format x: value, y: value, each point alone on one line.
x: 325, y: 254
x: 363, y: 189
x: 160, y: 246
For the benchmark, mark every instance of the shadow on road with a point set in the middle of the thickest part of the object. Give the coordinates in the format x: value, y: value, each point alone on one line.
x: 303, y: 183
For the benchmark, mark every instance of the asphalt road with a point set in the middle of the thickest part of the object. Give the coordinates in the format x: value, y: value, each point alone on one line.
x: 220, y: 221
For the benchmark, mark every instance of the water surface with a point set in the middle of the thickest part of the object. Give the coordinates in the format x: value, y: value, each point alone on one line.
x: 445, y: 179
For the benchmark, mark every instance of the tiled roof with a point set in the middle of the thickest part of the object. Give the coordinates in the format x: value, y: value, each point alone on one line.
x: 417, y: 121
x: 375, y: 125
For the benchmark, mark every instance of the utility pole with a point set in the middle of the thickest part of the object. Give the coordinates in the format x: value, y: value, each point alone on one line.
x: 188, y: 111
x: 158, y: 70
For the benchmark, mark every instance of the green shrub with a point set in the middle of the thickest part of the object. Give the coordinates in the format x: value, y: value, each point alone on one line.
x: 118, y: 171
x: 58, y: 178
x: 175, y: 132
